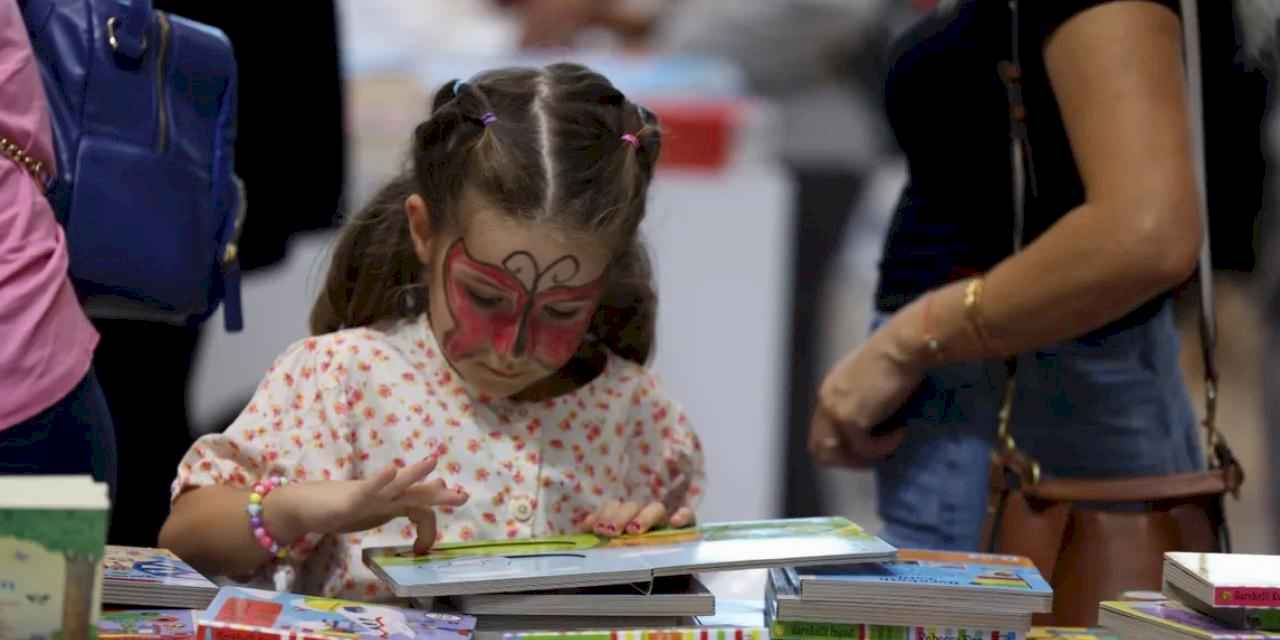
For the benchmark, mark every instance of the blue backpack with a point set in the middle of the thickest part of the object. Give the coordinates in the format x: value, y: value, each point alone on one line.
x: 144, y: 115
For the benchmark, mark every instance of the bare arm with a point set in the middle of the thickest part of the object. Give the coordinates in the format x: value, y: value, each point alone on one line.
x: 1117, y: 73
x: 209, y: 528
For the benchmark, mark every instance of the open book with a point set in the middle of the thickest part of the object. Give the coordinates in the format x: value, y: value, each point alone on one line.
x: 588, y: 560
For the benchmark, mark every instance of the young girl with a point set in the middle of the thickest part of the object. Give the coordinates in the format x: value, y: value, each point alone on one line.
x: 477, y: 370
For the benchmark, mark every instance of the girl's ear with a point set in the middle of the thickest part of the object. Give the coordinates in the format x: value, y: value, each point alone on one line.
x: 415, y: 208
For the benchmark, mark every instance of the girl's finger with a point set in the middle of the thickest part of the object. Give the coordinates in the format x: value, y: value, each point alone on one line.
x: 409, y: 476
x: 425, y: 521
x: 589, y: 523
x: 615, y: 520
x: 604, y: 517
x: 432, y: 494
x: 683, y: 517
x: 374, y: 485
x: 653, y: 515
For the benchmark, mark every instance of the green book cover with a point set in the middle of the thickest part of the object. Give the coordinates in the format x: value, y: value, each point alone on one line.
x: 52, y: 537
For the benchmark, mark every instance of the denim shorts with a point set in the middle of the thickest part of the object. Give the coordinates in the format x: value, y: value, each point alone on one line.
x: 1095, y: 407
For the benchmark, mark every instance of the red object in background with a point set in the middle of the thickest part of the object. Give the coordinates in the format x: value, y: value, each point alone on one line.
x: 250, y: 612
x: 697, y: 135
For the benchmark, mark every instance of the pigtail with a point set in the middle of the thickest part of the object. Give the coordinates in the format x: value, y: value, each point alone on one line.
x: 625, y: 320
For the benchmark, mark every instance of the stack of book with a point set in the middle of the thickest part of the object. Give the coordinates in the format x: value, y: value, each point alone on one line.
x: 921, y: 594
x: 240, y: 613
x: 1210, y: 596
x: 53, y: 530
x: 153, y: 578
x: 148, y: 624
x: 581, y: 582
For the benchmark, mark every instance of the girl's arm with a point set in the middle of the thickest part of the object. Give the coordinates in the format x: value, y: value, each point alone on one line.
x: 1117, y: 73
x: 209, y: 529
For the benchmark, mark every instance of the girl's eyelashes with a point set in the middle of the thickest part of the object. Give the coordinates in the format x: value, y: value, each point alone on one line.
x: 483, y: 300
x: 558, y: 313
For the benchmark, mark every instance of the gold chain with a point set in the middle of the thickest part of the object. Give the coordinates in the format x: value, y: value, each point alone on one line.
x: 33, y: 166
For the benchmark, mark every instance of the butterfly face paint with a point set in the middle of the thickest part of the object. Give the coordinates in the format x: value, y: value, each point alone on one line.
x: 518, y: 309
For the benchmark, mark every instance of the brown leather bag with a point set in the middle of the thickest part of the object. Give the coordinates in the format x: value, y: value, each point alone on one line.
x: 1087, y: 551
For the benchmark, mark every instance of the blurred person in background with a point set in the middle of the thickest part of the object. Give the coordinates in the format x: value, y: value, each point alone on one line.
x: 1112, y: 228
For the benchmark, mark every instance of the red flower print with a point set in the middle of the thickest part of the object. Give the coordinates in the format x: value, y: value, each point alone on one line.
x: 350, y: 437
x: 499, y: 499
x: 364, y: 367
x: 556, y: 444
x: 300, y: 473
x: 490, y: 518
x: 288, y: 379
x: 297, y: 440
x: 667, y: 434
x: 442, y: 450
x: 454, y: 468
x: 495, y: 435
x: 307, y: 372
x: 340, y: 408
x: 407, y: 444
x: 694, y: 491
x: 566, y: 425
x: 272, y: 456
x: 326, y: 474
x: 534, y: 426
x: 577, y: 488
x: 590, y: 470
x: 518, y: 445
x: 416, y: 409
x: 249, y: 436
x: 341, y: 462
x: 518, y: 478
x: 310, y: 344
x: 645, y: 448
x: 597, y: 490
x: 482, y: 475
x: 513, y: 533
x: 453, y: 423
x: 473, y: 446
x: 533, y: 457
x: 364, y: 456
x: 399, y: 463
x: 355, y: 397
x: 619, y: 429
x: 645, y: 470
x: 509, y: 466
x: 391, y: 420
x: 428, y: 421
x: 604, y: 448
x: 466, y: 534
x: 593, y: 432
x: 369, y: 413
x: 408, y: 376
x: 384, y: 391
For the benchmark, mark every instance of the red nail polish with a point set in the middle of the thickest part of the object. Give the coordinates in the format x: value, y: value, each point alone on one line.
x: 633, y: 528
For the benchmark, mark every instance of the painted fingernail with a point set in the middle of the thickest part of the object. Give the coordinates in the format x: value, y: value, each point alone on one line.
x: 611, y: 528
x: 830, y: 443
x: 634, y: 527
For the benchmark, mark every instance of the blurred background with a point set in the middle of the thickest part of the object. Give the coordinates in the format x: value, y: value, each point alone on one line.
x: 777, y: 181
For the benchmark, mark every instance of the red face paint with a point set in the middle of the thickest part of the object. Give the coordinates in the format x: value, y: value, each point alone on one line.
x: 510, y: 307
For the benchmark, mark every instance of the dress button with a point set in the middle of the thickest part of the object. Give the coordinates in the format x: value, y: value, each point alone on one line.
x: 522, y: 508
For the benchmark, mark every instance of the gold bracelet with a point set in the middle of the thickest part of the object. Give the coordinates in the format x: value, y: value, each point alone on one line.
x: 973, y: 313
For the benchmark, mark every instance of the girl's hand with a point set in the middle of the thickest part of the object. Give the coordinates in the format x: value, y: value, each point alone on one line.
x: 862, y: 391
x: 295, y: 510
x: 616, y: 518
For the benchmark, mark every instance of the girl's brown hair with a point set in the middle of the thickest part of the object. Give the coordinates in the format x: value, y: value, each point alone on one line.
x: 553, y: 151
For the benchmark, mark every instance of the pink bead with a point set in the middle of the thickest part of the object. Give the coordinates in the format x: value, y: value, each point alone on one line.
x: 267, y: 485
x: 265, y: 542
x: 260, y: 533
x: 260, y: 489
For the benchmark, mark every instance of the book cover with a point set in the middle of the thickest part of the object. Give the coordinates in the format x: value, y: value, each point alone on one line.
x: 1236, y: 580
x: 780, y: 630
x: 136, y: 566
x: 52, y: 534
x: 1176, y: 618
x: 590, y: 560
x: 147, y: 624
x: 244, y: 614
x: 1070, y: 633
x: 963, y: 571
x: 1235, y: 617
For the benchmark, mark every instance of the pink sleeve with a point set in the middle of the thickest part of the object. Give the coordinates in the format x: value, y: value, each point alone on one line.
x: 666, y: 461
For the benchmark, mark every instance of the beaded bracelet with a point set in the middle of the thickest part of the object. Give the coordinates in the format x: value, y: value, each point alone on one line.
x: 256, y: 525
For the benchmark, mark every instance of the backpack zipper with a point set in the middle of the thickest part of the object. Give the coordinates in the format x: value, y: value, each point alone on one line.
x: 162, y: 104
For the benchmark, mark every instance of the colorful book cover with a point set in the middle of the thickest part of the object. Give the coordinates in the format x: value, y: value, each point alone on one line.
x: 52, y: 536
x: 245, y: 614
x: 970, y: 571
x: 1238, y: 580
x: 1174, y: 616
x: 1070, y: 633
x: 790, y: 630
x: 148, y: 624
x: 587, y: 559
x: 138, y: 566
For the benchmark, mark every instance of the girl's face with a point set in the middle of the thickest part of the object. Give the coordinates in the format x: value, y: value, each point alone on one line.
x: 510, y: 301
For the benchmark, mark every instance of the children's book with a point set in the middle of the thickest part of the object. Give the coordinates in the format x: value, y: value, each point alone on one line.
x: 947, y: 580
x: 1226, y: 580
x: 841, y: 631
x: 250, y: 614
x: 1235, y: 617
x: 147, y: 624
x: 153, y: 578
x: 1070, y: 633
x: 588, y: 560
x: 642, y: 633
x: 683, y: 596
x: 52, y: 533
x: 783, y: 603
x: 1168, y: 620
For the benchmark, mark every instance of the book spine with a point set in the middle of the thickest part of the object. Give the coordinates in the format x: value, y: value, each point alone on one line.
x: 790, y: 630
x: 1261, y: 597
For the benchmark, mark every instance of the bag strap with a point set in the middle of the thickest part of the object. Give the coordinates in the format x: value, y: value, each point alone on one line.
x: 34, y: 167
x: 1220, y: 454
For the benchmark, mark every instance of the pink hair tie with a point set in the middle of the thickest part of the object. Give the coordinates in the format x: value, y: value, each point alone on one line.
x: 488, y: 118
x: 631, y: 139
